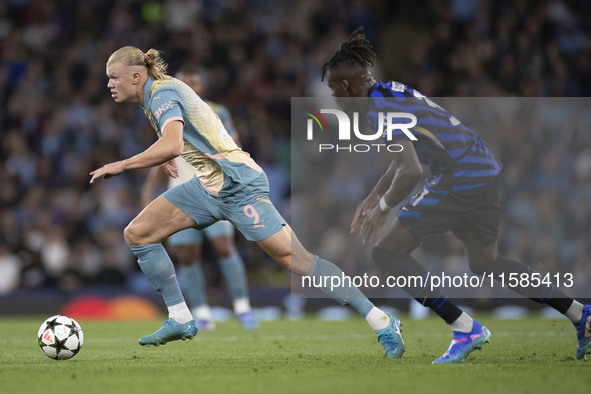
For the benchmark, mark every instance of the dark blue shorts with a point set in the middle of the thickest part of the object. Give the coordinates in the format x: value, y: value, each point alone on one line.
x: 475, y: 213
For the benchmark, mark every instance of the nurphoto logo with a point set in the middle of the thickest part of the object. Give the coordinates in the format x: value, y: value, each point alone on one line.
x: 388, y: 122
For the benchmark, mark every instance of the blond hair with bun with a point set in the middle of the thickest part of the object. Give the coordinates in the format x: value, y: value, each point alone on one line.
x: 132, y: 56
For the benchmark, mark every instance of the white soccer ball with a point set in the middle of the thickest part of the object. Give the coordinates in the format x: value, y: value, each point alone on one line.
x: 60, y: 337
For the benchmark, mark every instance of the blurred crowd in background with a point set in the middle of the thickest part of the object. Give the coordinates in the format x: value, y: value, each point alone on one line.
x: 58, y: 121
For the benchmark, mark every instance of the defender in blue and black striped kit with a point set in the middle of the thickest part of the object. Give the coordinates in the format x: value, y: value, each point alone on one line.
x: 462, y: 195
x: 463, y: 170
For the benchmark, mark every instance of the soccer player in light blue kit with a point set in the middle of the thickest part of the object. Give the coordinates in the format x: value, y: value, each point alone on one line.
x: 228, y: 185
x: 186, y: 245
x: 461, y: 195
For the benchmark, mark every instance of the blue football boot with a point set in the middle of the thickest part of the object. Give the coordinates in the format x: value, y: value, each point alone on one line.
x: 170, y: 331
x: 391, y: 339
x: 583, y: 327
x: 465, y: 343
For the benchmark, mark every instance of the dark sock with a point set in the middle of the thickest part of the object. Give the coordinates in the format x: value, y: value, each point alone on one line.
x: 542, y: 294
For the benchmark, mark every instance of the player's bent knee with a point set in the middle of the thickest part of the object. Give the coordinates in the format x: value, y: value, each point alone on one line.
x: 134, y: 236
x: 297, y: 263
x: 301, y: 262
x: 480, y: 262
x: 129, y: 236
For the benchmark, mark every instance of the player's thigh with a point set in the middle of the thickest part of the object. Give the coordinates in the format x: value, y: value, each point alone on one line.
x: 479, y: 228
x: 191, y: 198
x: 285, y: 248
x: 156, y: 222
x: 255, y: 218
x: 480, y: 256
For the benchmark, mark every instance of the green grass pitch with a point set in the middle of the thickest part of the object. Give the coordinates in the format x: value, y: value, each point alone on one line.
x: 532, y: 355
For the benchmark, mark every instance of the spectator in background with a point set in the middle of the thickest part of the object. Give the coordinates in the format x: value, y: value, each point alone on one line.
x: 10, y: 265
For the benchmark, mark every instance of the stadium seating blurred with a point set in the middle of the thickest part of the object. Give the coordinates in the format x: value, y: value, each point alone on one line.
x: 60, y: 237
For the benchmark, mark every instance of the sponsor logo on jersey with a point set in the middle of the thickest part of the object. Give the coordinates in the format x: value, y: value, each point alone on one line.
x: 162, y: 109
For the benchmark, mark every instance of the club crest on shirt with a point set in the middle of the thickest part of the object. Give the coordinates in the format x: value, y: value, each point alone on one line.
x: 223, y: 133
x: 397, y: 86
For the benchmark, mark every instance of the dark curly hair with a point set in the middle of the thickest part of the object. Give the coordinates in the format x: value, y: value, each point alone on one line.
x: 356, y: 50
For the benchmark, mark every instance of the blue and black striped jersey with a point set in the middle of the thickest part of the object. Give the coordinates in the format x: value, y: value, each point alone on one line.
x: 457, y: 157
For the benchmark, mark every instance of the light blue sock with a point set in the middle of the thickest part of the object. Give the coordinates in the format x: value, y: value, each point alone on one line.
x: 192, y: 282
x: 158, y: 268
x: 232, y: 268
x: 343, y: 294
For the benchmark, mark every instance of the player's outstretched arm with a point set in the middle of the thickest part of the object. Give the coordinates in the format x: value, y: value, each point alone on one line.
x: 169, y: 146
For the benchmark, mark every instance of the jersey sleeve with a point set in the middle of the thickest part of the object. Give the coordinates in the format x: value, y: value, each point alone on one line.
x: 165, y: 107
x: 390, y: 110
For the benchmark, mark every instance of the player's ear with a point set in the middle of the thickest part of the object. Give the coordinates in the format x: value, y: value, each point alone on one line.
x: 346, y: 84
x: 135, y: 77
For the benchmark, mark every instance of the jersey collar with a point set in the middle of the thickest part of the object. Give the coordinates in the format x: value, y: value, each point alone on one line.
x: 147, y: 88
x: 372, y: 88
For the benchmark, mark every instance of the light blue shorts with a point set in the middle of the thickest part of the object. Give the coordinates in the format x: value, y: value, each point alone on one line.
x: 249, y: 210
x: 193, y: 236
